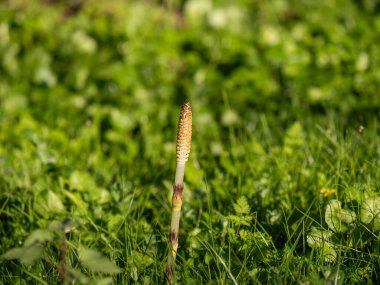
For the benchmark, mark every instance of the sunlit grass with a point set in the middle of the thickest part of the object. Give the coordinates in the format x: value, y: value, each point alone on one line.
x: 284, y: 168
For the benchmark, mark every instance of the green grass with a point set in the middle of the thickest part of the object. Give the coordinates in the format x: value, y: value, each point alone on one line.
x: 285, y: 100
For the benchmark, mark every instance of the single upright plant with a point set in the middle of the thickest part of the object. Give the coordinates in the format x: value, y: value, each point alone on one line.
x: 183, y: 150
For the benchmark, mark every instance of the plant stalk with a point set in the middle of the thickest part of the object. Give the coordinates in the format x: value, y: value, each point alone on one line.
x: 62, y: 264
x: 183, y: 150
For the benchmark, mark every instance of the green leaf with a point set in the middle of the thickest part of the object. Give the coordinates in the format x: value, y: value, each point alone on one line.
x: 115, y: 221
x: 337, y: 218
x: 14, y: 253
x: 370, y: 211
x: 329, y: 253
x: 355, y: 192
x: 293, y: 139
x: 48, y: 202
x: 31, y: 255
x: 208, y: 258
x: 318, y: 237
x: 76, y: 199
x: 140, y: 259
x: 38, y: 236
x: 26, y: 255
x: 134, y: 274
x: 82, y: 181
x: 54, y: 202
x: 96, y: 262
x: 240, y: 220
x: 241, y: 206
x: 320, y: 240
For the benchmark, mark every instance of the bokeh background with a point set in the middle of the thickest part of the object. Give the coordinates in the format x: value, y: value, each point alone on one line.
x: 90, y: 93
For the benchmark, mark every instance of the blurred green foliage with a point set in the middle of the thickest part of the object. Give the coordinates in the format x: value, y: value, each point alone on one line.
x: 285, y: 98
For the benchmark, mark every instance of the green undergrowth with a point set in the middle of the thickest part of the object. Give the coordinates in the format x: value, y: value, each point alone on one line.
x: 282, y: 184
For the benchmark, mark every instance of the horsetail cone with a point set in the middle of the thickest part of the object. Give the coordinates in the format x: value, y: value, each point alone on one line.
x: 183, y: 141
x: 184, y: 133
x: 183, y: 150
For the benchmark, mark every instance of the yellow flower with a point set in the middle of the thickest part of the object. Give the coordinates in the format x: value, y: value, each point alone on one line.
x: 327, y: 192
